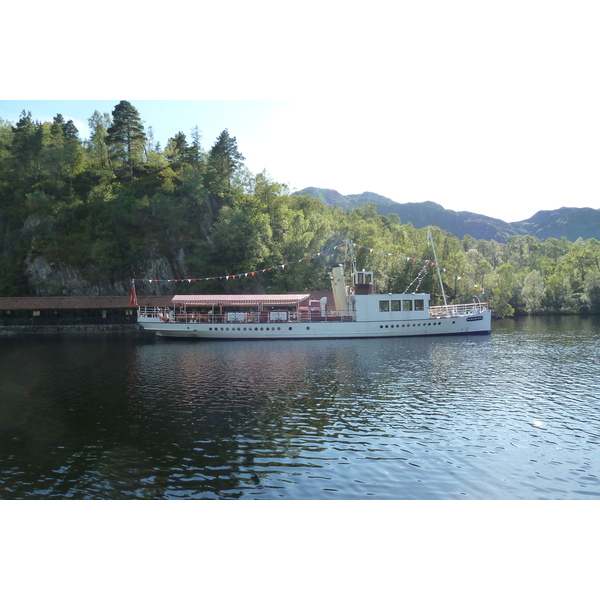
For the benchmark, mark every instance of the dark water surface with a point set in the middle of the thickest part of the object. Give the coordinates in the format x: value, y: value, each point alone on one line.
x: 514, y: 415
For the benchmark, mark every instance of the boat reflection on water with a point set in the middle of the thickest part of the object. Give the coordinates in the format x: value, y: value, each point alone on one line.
x: 256, y: 413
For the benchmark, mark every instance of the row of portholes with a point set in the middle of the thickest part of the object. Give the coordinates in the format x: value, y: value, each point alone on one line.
x: 246, y: 329
x: 249, y: 328
x: 414, y: 325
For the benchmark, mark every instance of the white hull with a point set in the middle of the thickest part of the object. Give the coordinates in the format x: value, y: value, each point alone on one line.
x: 454, y: 325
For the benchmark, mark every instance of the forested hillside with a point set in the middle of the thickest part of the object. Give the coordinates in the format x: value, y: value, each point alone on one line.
x: 86, y: 216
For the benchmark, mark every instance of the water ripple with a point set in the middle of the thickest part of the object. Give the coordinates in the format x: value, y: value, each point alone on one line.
x: 511, y: 416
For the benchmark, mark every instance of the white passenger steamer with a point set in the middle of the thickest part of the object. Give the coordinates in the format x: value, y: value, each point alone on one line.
x: 357, y: 312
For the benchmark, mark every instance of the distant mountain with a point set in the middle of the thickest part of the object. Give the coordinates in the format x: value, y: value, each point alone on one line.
x: 335, y: 198
x: 572, y: 223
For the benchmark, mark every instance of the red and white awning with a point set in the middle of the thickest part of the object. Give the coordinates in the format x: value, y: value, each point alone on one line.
x: 242, y: 300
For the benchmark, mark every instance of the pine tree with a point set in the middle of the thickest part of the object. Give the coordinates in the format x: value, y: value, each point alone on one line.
x: 26, y: 148
x: 177, y: 150
x: 223, y: 159
x: 54, y: 147
x: 196, y: 153
x: 126, y: 136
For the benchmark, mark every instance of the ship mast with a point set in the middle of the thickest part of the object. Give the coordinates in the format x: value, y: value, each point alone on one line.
x: 352, y: 258
x: 430, y: 239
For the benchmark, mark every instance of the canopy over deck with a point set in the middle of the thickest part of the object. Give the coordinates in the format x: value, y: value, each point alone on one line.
x: 242, y: 300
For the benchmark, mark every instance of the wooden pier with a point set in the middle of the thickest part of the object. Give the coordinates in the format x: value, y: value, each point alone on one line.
x: 42, y: 314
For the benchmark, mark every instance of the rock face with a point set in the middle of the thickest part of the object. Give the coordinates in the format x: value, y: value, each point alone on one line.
x: 45, y: 274
x: 56, y: 279
x: 51, y: 279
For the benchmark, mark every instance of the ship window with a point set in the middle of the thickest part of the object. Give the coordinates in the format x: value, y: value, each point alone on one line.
x: 384, y: 305
x: 419, y: 305
x: 396, y: 305
x: 407, y: 305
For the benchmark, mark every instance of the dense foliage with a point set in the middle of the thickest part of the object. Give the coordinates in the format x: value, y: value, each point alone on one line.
x: 117, y: 206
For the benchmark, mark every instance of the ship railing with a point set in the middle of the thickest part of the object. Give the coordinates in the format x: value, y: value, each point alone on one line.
x: 457, y: 310
x: 154, y: 312
x: 269, y: 316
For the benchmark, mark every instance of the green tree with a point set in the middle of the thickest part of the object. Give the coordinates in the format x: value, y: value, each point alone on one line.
x: 502, y: 291
x: 55, y: 146
x: 558, y: 291
x: 242, y: 236
x: 592, y: 292
x: 25, y: 150
x: 177, y: 150
x: 97, y: 146
x: 196, y: 153
x: 6, y: 142
x: 580, y: 260
x: 533, y: 292
x: 223, y: 160
x: 126, y: 137
x: 62, y: 155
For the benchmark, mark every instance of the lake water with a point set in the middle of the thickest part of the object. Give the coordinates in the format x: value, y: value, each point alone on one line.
x: 514, y: 415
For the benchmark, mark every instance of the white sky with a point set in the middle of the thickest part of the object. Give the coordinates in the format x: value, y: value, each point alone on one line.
x: 487, y: 107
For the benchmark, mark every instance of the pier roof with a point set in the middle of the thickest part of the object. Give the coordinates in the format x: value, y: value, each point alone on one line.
x: 79, y: 302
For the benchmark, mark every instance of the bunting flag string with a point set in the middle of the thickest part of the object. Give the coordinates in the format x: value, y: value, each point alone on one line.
x: 240, y: 275
x: 312, y: 256
x: 419, y: 278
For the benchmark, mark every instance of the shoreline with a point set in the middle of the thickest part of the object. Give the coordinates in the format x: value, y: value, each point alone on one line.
x: 106, y: 329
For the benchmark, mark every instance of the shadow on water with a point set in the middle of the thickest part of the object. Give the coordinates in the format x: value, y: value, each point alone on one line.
x: 414, y: 418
